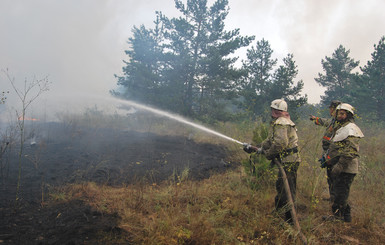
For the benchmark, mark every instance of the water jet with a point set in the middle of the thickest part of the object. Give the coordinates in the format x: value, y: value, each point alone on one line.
x: 174, y: 117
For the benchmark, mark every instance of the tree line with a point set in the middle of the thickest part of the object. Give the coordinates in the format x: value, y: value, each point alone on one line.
x: 365, y: 89
x: 187, y: 65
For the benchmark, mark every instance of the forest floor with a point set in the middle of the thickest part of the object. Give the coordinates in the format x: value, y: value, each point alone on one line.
x: 64, y: 156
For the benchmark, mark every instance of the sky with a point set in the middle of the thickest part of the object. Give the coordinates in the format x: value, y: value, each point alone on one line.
x: 80, y: 44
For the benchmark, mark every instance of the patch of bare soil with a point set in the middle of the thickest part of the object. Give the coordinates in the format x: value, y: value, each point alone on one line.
x: 63, y: 155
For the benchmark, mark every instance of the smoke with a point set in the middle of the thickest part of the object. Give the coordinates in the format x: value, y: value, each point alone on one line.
x: 79, y: 44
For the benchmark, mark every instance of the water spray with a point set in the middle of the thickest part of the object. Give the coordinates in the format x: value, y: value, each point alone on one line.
x: 177, y: 118
x: 185, y: 121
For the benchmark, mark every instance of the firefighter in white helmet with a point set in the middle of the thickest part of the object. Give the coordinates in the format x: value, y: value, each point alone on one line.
x: 343, y: 158
x: 282, y: 145
x: 279, y: 104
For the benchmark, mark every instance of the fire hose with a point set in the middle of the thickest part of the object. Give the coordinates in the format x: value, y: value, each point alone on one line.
x: 290, y: 200
x: 249, y: 148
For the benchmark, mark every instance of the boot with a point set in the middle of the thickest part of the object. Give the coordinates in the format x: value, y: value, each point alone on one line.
x: 347, y: 215
x: 337, y: 214
x: 288, y: 218
x: 348, y: 218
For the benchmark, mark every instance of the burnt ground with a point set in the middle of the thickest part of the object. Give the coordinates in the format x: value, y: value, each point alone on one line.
x: 63, y: 155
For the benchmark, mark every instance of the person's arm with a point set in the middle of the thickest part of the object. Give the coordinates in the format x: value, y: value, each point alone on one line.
x: 320, y: 121
x: 279, y: 142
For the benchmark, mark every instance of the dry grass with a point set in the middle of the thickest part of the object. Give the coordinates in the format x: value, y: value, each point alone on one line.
x: 225, y: 210
x: 219, y: 210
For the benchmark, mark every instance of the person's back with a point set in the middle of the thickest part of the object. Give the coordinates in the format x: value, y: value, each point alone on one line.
x: 282, y: 141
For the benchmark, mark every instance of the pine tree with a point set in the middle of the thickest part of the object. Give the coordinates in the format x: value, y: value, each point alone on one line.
x: 259, y: 67
x: 369, y: 89
x: 184, y: 64
x: 200, y: 49
x: 284, y: 86
x: 338, y: 75
x: 143, y: 72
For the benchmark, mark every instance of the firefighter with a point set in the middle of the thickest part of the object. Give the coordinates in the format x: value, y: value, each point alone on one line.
x: 282, y: 145
x: 343, y: 160
x: 329, y: 124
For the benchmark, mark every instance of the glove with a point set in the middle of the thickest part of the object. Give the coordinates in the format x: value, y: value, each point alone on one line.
x: 322, y: 161
x: 247, y: 148
x: 259, y: 150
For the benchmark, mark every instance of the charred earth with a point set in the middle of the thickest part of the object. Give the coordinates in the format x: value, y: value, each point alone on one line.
x: 56, y: 155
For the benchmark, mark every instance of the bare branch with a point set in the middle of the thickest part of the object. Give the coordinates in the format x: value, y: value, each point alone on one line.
x: 26, y: 95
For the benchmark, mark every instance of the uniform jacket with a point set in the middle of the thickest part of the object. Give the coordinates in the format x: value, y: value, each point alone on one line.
x: 281, y: 141
x: 329, y: 124
x: 344, y: 147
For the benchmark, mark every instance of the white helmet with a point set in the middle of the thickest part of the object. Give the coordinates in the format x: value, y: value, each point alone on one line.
x: 346, y: 107
x: 279, y: 104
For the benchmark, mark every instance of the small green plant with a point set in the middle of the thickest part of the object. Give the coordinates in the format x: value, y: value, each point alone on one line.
x: 58, y: 196
x: 257, y: 165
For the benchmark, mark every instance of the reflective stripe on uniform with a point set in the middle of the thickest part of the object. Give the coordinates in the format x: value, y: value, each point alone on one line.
x: 326, y: 138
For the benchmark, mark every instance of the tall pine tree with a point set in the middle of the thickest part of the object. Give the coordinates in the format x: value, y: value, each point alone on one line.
x: 284, y: 86
x: 199, y: 48
x: 142, y: 78
x: 338, y: 75
x: 259, y: 67
x: 368, y: 90
x: 264, y: 83
x: 186, y: 64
